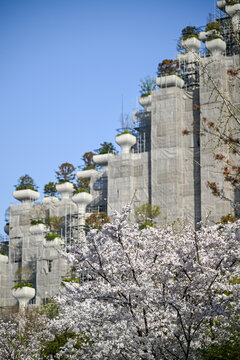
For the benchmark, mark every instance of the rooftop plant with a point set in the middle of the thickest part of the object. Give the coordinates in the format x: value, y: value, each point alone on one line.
x: 105, y: 148
x: 3, y: 253
x: 65, y: 173
x: 22, y: 284
x: 50, y: 189
x: 52, y: 236
x: 214, y: 25
x: 168, y: 67
x: 189, y: 32
x: 147, y: 85
x: 80, y: 190
x: 36, y: 222
x: 26, y: 182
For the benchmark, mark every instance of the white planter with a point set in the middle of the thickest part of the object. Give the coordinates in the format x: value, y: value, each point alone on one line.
x: 65, y: 189
x: 23, y: 295
x: 169, y: 81
x: 234, y: 12
x: 38, y: 229
x: 50, y: 200
x: 216, y: 47
x: 87, y: 174
x: 82, y: 199
x: 102, y: 160
x: 126, y: 141
x: 191, y: 44
x: 145, y: 101
x: 3, y: 258
x: 56, y: 242
x: 202, y: 36
x: 26, y: 196
x: 221, y: 4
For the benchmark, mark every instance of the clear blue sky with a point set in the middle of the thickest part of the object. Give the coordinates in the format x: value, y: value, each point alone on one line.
x: 64, y: 67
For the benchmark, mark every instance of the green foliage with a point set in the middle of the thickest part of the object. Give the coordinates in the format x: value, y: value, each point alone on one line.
x: 82, y: 183
x: 22, y: 284
x: 88, y: 161
x: 146, y: 213
x: 233, y: 3
x: 168, y: 67
x: 51, y: 348
x: 50, y: 309
x: 188, y: 32
x: 65, y: 173
x: 54, y: 223
x: 145, y: 224
x: 213, y: 25
x: 52, y: 236
x: 224, y: 349
x: 50, y: 189
x: 3, y: 253
x: 105, y: 148
x: 125, y: 132
x: 147, y: 85
x: 36, y: 222
x: 76, y: 280
x: 80, y: 190
x: 26, y: 182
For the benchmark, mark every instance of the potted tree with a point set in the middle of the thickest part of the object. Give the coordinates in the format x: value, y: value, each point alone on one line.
x: 65, y: 175
x: 189, y: 38
x: 23, y: 291
x: 50, y: 192
x: 146, y: 85
x: 126, y: 140
x: 26, y: 190
x: 52, y: 239
x: 168, y: 74
x: 214, y: 43
x: 82, y: 198
x: 37, y: 227
x: 104, y: 154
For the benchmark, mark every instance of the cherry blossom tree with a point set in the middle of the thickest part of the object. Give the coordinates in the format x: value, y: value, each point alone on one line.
x: 152, y: 293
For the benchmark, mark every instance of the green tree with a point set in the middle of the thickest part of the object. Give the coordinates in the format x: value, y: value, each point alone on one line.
x: 87, y: 158
x: 106, y: 147
x: 65, y: 172
x: 147, y: 85
x: 50, y: 189
x: 146, y: 213
x: 26, y: 182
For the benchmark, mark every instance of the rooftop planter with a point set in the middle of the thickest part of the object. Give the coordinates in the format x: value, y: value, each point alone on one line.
x: 50, y: 200
x: 23, y: 292
x: 216, y: 46
x: 3, y: 258
x: 26, y: 196
x: 233, y: 10
x: 52, y: 240
x: 87, y: 174
x: 170, y: 81
x: 126, y: 140
x: 38, y: 228
x: 82, y: 199
x: 191, y: 44
x: 145, y: 101
x: 103, y: 159
x: 65, y: 189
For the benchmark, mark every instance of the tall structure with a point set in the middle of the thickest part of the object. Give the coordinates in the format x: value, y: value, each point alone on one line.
x: 157, y: 165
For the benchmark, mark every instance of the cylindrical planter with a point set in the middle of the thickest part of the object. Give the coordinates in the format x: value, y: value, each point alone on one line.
x: 216, y: 47
x: 65, y: 189
x: 191, y: 44
x: 145, y: 101
x: 234, y: 12
x: 169, y: 81
x: 102, y: 160
x: 50, y: 200
x: 87, y: 174
x: 82, y: 199
x: 3, y: 258
x: 23, y: 295
x: 202, y: 36
x: 126, y: 141
x: 221, y: 4
x: 26, y: 196
x: 56, y: 242
x: 38, y: 229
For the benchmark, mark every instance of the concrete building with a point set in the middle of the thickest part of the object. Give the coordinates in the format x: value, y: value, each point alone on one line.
x: 158, y: 164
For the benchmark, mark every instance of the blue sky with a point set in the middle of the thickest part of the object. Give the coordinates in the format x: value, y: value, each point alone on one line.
x: 65, y: 66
